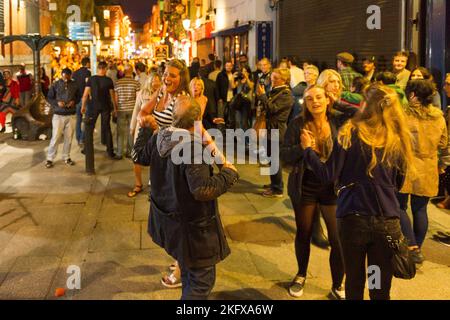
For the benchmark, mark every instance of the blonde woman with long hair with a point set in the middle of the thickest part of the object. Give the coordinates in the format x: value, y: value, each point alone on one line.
x: 197, y: 88
x: 331, y: 81
x: 369, y: 159
x: 152, y: 85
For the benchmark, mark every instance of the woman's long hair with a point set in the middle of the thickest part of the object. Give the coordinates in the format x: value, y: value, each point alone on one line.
x: 324, y: 79
x: 381, y: 125
x: 184, y: 75
x: 146, y: 91
x: 192, y: 84
x: 307, y: 116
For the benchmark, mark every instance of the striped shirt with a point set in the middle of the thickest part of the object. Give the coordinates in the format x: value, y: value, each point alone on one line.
x: 126, y: 90
x: 165, y: 117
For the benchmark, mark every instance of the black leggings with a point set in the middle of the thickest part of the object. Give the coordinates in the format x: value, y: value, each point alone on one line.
x: 304, y: 218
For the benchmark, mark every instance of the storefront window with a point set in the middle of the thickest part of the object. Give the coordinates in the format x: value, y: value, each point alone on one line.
x: 233, y: 46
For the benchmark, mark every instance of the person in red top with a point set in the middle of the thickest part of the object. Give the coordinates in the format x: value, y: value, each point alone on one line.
x: 45, y: 82
x: 26, y: 85
x: 10, y: 98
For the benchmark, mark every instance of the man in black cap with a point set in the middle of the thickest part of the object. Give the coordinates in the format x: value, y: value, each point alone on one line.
x: 63, y: 96
x: 369, y: 67
x: 344, y: 66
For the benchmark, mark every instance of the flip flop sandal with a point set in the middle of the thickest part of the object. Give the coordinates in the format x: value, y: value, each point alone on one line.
x: 135, y: 192
x: 171, y: 281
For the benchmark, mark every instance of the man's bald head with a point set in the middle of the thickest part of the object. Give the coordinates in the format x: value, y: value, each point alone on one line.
x: 128, y: 70
x: 186, y: 112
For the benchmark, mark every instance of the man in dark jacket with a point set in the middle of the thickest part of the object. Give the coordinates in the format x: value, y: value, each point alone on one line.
x: 277, y: 104
x: 63, y: 97
x: 212, y: 94
x: 81, y: 77
x: 225, y: 85
x: 184, y: 219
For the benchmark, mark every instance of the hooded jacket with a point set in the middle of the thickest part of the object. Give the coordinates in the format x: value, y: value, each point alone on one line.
x: 184, y: 217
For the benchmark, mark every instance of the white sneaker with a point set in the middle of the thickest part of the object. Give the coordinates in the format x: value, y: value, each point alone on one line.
x: 296, y: 287
x: 338, y: 293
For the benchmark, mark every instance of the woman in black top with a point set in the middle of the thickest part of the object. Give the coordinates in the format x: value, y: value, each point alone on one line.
x: 306, y: 191
x: 370, y: 153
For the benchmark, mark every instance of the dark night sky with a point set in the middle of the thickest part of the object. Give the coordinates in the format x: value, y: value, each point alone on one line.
x: 137, y: 10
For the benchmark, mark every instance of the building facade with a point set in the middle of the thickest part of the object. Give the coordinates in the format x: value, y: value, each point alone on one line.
x: 23, y: 17
x: 115, y: 29
x: 245, y: 27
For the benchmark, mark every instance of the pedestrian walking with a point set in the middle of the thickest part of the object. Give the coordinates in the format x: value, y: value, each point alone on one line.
x: 126, y: 93
x: 81, y: 77
x: 98, y: 100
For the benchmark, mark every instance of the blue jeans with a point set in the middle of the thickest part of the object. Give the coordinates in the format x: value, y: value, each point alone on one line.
x: 198, y: 283
x: 79, y: 133
x: 416, y: 233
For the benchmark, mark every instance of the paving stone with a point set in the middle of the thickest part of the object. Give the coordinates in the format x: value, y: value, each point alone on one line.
x: 106, y: 275
x: 69, y: 198
x: 419, y: 288
x: 37, y: 241
x: 146, y: 240
x: 235, y: 204
x: 264, y: 290
x: 116, y: 212
x: 115, y: 236
x: 239, y: 265
x: 269, y: 205
x: 29, y: 278
x: 57, y: 215
x: 274, y: 260
x: 141, y: 209
x: 255, y: 228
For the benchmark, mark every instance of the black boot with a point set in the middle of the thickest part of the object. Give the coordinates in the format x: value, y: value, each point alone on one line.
x: 318, y: 237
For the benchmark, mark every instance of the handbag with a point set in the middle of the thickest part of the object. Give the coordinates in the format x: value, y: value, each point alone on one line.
x: 403, y: 266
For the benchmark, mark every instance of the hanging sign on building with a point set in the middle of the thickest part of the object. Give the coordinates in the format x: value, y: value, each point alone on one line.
x: 162, y: 52
x: 264, y: 34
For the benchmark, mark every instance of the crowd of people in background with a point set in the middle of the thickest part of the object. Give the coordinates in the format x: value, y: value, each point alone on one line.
x: 344, y: 136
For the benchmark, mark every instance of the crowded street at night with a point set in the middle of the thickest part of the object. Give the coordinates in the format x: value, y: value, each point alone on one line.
x: 225, y: 150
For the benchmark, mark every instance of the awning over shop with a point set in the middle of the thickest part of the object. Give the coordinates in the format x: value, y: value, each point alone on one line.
x: 233, y: 31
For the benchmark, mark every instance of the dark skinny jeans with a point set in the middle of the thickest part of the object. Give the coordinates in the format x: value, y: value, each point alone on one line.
x: 361, y: 237
x: 417, y: 232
